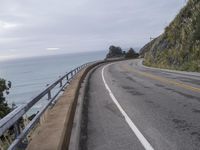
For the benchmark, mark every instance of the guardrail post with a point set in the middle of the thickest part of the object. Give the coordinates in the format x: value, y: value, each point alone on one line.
x: 61, y: 83
x: 71, y: 73
x: 17, y: 129
x: 49, y: 95
x: 67, y: 77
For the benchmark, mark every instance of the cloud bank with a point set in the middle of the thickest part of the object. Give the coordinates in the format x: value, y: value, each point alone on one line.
x: 31, y: 27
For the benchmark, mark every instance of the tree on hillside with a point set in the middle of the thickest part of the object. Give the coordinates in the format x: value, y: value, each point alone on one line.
x: 197, y: 31
x: 114, y: 51
x: 131, y: 53
x: 4, y: 108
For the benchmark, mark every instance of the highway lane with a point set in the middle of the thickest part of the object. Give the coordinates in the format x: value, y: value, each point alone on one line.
x: 163, y: 105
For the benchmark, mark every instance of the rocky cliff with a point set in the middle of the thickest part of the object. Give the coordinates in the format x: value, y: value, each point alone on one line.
x: 179, y: 46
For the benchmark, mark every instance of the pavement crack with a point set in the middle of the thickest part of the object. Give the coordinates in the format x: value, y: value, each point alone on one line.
x: 181, y: 124
x: 196, y: 110
x: 159, y: 85
x: 130, y: 79
x: 132, y: 91
x: 184, y: 94
x: 112, y: 108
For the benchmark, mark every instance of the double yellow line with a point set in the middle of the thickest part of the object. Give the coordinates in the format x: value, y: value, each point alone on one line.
x: 164, y: 80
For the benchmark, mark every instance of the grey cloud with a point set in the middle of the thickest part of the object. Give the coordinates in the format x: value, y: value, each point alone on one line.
x: 81, y: 25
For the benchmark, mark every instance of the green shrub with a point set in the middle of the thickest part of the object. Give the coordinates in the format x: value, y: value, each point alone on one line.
x: 197, y: 31
x: 4, y: 108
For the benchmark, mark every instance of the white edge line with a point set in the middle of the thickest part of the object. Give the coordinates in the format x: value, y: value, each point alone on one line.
x: 139, y: 135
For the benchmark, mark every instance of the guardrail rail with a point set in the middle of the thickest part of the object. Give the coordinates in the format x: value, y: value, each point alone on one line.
x: 12, y: 119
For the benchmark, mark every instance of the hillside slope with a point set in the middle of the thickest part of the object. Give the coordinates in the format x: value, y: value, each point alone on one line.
x: 179, y: 46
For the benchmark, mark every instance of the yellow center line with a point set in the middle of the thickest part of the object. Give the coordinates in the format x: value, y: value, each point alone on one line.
x: 162, y: 79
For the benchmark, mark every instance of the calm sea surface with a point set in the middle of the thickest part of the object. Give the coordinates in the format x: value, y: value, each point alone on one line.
x: 29, y: 76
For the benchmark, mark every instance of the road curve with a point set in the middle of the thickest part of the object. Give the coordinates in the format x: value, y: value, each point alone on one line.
x: 135, y: 107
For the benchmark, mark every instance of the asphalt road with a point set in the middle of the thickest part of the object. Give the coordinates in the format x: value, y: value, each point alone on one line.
x: 134, y: 107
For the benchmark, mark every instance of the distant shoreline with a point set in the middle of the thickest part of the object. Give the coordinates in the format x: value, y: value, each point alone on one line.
x: 49, y: 55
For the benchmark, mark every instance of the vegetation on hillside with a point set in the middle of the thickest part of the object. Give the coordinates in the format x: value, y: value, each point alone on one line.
x: 4, y: 108
x: 131, y: 54
x: 116, y: 52
x: 179, y: 46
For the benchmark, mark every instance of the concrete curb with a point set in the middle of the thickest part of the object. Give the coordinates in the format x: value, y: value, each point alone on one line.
x: 65, y: 140
x: 76, y: 129
x: 168, y: 70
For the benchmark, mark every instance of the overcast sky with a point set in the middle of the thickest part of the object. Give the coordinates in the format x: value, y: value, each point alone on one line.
x: 43, y: 27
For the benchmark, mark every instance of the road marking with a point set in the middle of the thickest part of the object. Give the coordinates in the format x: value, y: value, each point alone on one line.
x: 139, y: 135
x: 164, y: 80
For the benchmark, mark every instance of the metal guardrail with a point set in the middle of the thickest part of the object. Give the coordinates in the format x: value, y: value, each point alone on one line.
x: 12, y: 118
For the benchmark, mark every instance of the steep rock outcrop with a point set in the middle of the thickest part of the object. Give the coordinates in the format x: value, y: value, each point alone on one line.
x: 179, y: 46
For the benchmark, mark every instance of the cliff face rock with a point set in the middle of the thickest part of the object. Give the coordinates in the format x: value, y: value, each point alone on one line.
x: 179, y: 46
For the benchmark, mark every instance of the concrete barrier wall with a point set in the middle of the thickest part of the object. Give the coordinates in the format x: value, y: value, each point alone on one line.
x: 69, y: 122
x: 55, y: 131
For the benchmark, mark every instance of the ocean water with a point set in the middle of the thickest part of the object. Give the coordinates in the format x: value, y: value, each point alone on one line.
x: 29, y: 76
